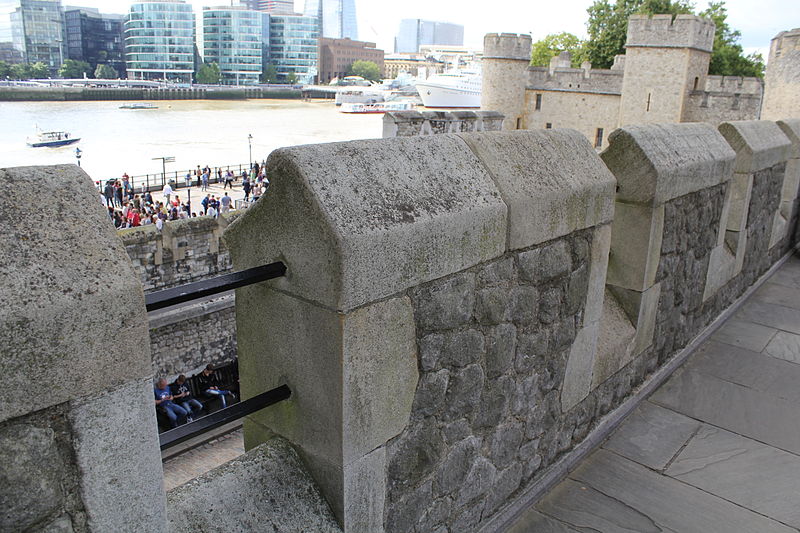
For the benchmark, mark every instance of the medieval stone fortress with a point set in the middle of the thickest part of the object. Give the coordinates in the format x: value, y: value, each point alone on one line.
x: 464, y: 318
x: 662, y: 77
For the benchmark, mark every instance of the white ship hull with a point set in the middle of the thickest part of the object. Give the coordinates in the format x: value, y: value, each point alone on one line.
x: 436, y: 95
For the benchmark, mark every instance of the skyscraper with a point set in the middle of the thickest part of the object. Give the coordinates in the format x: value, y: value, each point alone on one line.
x: 36, y: 29
x: 416, y: 32
x: 159, y: 40
x: 96, y: 38
x: 337, y: 17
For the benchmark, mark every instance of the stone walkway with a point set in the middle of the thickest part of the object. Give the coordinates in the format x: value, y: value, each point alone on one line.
x: 188, y: 465
x: 715, y: 449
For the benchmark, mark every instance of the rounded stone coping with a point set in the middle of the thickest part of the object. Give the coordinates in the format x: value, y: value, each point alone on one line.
x: 791, y: 128
x: 759, y: 144
x: 655, y: 163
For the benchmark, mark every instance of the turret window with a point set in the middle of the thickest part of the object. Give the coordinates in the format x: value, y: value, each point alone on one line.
x: 538, y: 102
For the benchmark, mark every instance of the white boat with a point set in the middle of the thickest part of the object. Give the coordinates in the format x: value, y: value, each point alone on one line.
x: 51, y: 139
x: 139, y: 105
x: 451, y: 89
x: 359, y: 95
x: 378, y: 107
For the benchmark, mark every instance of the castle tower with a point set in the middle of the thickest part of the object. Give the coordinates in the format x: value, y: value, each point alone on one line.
x: 505, y: 72
x: 782, y: 80
x: 665, y: 60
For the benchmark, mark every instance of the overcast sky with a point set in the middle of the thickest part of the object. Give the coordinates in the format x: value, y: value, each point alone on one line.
x: 758, y: 20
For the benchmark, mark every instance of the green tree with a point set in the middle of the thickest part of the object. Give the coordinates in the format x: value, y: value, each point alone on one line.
x: 5, y: 70
x: 39, y: 70
x: 728, y: 58
x: 74, y: 69
x: 608, y: 25
x: 21, y: 71
x: 208, y: 74
x: 366, y: 69
x: 106, y: 72
x: 269, y: 74
x: 555, y: 43
x: 291, y: 78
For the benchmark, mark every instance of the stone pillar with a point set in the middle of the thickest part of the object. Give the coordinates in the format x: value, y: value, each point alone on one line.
x: 761, y: 153
x: 402, y: 124
x: 78, y: 437
x: 653, y: 164
x: 786, y: 217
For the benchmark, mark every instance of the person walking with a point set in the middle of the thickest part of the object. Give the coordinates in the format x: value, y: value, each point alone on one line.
x: 205, y: 181
x: 225, y: 204
x: 167, y: 193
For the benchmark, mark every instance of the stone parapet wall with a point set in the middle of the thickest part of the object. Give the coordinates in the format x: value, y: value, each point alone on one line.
x: 681, y: 31
x: 734, y: 84
x: 413, y: 123
x: 718, y: 107
x: 575, y: 80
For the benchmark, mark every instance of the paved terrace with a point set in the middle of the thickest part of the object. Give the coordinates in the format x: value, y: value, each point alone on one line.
x: 716, y: 448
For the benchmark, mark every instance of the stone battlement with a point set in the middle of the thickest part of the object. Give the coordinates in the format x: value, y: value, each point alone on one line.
x: 685, y: 31
x: 507, y: 46
x: 734, y: 84
x: 576, y: 80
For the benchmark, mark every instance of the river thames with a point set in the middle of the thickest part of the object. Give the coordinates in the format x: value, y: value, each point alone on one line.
x: 194, y: 132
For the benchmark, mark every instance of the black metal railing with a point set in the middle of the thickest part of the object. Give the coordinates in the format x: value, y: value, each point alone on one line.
x: 219, y: 418
x: 209, y: 287
x: 203, y: 289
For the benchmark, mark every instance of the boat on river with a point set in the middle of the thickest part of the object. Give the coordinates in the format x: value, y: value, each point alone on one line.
x: 378, y: 107
x: 139, y: 105
x: 458, y: 89
x: 51, y: 139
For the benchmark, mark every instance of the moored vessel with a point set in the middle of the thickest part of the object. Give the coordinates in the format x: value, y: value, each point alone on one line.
x: 378, y: 107
x: 451, y: 89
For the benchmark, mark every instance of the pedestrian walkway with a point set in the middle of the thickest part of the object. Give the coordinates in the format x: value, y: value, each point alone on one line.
x: 188, y: 465
x: 714, y: 449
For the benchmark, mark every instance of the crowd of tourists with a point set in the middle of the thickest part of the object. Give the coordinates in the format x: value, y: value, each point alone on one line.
x: 176, y: 402
x: 129, y: 209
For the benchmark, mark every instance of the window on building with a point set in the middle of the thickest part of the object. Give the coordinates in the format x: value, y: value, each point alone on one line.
x: 648, y: 102
x: 598, y: 138
x: 548, y: 126
x: 538, y: 102
x: 696, y: 82
x: 519, y: 123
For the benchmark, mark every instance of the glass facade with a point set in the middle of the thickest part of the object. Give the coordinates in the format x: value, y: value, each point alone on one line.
x: 416, y: 32
x: 36, y: 29
x: 159, y: 40
x: 338, y: 17
x: 293, y: 46
x: 96, y: 38
x: 232, y: 39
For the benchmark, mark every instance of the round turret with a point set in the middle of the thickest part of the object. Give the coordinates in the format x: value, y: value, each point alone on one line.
x: 506, y: 57
x: 782, y: 79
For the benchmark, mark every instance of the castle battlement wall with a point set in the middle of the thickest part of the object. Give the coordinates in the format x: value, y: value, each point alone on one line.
x: 782, y: 79
x: 685, y: 31
x: 576, y: 80
x: 734, y: 85
x: 507, y: 46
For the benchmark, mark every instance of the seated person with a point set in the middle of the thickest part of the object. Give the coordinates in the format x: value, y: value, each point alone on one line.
x: 210, y: 385
x: 183, y: 396
x: 164, y: 402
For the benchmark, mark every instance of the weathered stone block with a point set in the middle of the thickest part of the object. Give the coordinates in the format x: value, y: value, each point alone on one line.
x: 552, y: 181
x: 635, y: 246
x: 447, y: 304
x: 614, y: 343
x: 455, y: 466
x: 540, y: 265
x: 501, y: 344
x: 758, y: 144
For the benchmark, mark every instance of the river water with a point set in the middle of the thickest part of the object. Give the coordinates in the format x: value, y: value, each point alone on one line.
x: 194, y: 132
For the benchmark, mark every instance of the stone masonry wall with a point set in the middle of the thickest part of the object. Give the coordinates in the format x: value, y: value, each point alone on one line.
x: 412, y: 123
x: 493, y: 343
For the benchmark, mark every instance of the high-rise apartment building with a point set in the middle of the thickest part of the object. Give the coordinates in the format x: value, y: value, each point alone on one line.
x: 160, y: 40
x: 414, y: 33
x: 96, y: 38
x: 337, y: 18
x: 232, y: 38
x: 36, y: 30
x: 293, y: 46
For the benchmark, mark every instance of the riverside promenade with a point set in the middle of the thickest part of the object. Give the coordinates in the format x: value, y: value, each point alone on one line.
x: 715, y: 449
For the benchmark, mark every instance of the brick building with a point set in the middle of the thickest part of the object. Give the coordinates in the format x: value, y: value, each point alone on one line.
x: 337, y: 55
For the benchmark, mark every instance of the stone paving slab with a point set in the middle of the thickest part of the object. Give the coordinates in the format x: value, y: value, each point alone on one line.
x: 652, y: 435
x: 784, y: 346
x: 789, y: 274
x: 625, y: 489
x: 775, y: 316
x: 535, y: 522
x: 744, y: 335
x: 743, y: 471
x: 774, y: 293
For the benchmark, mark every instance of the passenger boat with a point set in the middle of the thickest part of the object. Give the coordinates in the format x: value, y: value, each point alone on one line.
x: 139, y: 105
x: 52, y: 139
x: 451, y: 89
x: 378, y: 107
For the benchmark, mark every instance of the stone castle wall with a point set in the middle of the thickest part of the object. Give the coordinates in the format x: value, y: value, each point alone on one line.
x: 783, y: 77
x: 411, y: 123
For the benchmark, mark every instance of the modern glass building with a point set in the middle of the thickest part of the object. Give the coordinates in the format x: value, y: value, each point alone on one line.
x: 36, y: 29
x: 232, y: 38
x: 337, y: 17
x: 416, y: 32
x: 96, y: 38
x: 160, y: 40
x: 293, y: 46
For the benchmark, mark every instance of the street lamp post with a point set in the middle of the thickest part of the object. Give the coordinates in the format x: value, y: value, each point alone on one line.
x: 78, y: 153
x: 250, y: 148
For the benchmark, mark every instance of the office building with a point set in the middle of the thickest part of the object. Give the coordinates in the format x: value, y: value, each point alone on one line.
x: 414, y: 33
x: 293, y: 46
x: 36, y: 30
x: 232, y: 38
x: 160, y: 40
x: 337, y: 18
x: 96, y: 38
x: 279, y: 7
x: 336, y: 56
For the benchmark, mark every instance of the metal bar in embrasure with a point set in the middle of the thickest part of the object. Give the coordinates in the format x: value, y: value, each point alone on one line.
x: 219, y: 418
x: 208, y: 287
